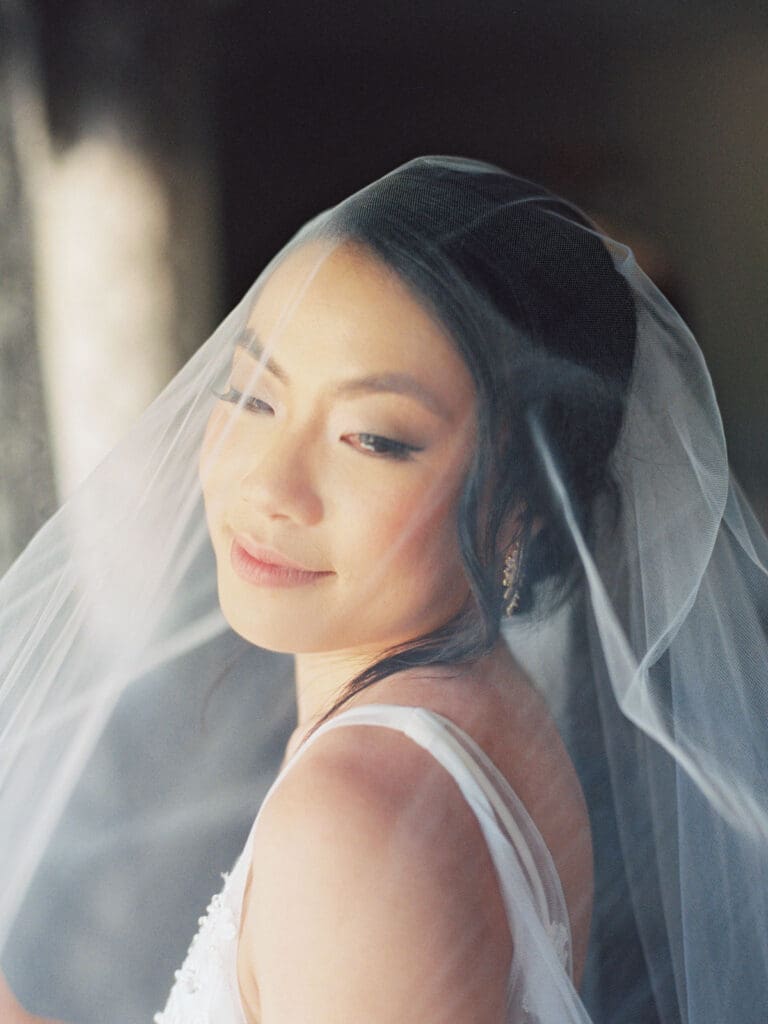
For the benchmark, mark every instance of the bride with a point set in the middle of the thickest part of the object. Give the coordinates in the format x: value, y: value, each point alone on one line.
x: 461, y: 461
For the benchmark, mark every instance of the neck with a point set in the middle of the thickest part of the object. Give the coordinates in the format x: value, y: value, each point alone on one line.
x: 321, y: 679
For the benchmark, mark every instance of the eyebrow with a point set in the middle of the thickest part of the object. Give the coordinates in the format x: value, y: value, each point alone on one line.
x: 375, y: 383
x: 248, y: 340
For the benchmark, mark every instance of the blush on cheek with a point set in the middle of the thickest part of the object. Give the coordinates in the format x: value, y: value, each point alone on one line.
x: 435, y: 544
x: 426, y: 543
x: 209, y: 449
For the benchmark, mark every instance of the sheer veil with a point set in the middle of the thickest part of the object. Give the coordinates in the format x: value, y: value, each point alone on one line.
x: 643, y: 623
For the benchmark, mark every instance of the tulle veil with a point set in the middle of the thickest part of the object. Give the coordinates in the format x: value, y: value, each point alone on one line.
x: 126, y: 784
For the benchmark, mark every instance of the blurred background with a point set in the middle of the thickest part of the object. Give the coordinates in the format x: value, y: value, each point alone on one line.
x: 153, y: 157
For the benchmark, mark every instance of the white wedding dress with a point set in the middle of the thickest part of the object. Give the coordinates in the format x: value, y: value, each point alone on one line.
x: 206, y: 991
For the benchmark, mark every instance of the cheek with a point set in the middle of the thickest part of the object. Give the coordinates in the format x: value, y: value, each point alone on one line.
x: 212, y: 439
x: 216, y: 463
x: 406, y: 534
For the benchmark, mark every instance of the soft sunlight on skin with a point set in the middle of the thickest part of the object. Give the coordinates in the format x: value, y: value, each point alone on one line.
x: 346, y: 456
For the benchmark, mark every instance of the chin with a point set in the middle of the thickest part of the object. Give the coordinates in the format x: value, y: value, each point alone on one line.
x: 285, y: 625
x: 298, y: 622
x: 290, y: 630
x: 267, y: 641
x: 283, y: 634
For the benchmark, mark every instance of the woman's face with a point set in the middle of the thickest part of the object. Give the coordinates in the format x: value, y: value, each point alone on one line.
x: 345, y: 458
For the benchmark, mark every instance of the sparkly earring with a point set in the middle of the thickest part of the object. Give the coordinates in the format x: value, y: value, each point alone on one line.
x: 512, y: 578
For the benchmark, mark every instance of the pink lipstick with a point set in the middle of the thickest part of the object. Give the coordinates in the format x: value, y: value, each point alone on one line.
x: 266, y: 567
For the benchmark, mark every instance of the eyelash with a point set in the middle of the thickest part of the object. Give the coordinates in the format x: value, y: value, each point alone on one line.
x: 388, y: 448
x: 252, y: 404
x: 384, y: 447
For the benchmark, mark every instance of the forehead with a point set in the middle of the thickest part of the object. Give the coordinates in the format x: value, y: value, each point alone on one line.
x: 335, y: 306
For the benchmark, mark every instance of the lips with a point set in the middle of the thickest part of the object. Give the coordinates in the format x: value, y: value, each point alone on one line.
x: 265, y: 566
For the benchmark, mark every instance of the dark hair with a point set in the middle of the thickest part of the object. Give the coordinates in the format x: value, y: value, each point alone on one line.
x: 529, y: 293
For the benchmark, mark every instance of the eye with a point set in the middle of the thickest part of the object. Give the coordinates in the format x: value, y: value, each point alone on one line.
x: 375, y: 444
x: 249, y: 402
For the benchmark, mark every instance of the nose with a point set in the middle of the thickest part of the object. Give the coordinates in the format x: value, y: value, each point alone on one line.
x: 278, y: 482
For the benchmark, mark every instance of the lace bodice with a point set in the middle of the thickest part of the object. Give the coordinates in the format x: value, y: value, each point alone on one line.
x: 205, y: 986
x: 205, y: 989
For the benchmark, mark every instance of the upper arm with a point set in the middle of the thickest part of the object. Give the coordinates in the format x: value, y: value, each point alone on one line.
x: 372, y: 895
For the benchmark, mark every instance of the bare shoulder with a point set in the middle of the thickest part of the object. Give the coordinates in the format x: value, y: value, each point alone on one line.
x: 371, y: 886
x: 498, y: 706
